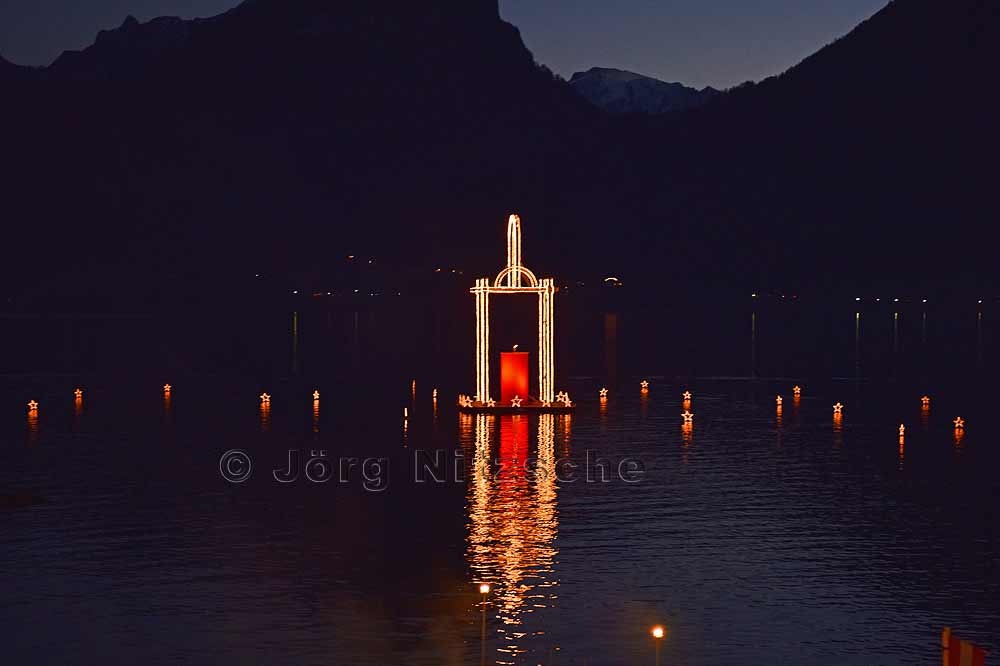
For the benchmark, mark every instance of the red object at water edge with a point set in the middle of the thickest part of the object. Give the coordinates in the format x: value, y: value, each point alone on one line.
x: 513, y: 376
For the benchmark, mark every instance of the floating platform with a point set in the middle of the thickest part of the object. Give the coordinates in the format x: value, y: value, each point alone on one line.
x: 530, y: 406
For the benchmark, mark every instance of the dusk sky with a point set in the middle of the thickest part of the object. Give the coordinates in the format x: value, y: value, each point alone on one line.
x: 697, y: 42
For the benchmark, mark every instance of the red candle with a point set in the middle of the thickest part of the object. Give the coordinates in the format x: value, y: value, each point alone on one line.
x: 513, y: 376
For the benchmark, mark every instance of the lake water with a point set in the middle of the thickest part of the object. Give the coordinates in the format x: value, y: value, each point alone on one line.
x: 753, y: 536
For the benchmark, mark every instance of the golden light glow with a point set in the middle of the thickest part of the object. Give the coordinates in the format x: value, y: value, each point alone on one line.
x: 406, y: 413
x: 78, y: 393
x: 778, y: 400
x: 838, y: 408
x: 959, y: 423
x: 515, y: 278
x: 926, y: 401
x: 484, y: 589
x: 658, y: 631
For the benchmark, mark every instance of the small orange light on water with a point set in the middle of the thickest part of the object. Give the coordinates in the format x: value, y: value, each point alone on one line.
x: 484, y: 588
x: 658, y: 631
x: 78, y: 393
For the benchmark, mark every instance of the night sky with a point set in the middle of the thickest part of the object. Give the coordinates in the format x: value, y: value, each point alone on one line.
x: 697, y: 42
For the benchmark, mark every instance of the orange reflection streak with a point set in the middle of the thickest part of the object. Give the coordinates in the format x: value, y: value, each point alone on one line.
x: 265, y: 416
x: 925, y: 416
x: 902, y: 450
x: 959, y: 434
x: 32, y: 423
x: 777, y: 416
x: 796, y: 400
x: 512, y: 527
x: 78, y: 405
x: 316, y: 415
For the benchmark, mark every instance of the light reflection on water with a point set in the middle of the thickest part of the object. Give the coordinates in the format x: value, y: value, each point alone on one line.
x: 741, y: 531
x: 513, y: 523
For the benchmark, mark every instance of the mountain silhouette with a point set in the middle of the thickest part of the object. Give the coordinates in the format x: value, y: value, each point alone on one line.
x: 619, y: 91
x: 175, y: 154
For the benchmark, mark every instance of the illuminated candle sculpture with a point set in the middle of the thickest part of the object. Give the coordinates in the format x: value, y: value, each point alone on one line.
x: 515, y: 279
x: 513, y: 375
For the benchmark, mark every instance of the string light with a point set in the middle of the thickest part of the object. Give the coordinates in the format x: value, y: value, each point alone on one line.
x: 512, y: 279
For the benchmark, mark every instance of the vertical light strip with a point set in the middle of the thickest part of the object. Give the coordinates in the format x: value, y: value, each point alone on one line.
x: 486, y: 340
x: 541, y: 345
x: 514, y: 251
x: 550, y: 369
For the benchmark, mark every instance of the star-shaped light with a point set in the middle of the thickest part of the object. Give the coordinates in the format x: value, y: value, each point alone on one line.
x: 516, y: 401
x: 315, y: 395
x: 778, y: 400
x: 687, y: 396
x: 564, y: 399
x: 561, y: 396
x: 797, y: 390
x: 838, y: 408
x: 902, y: 429
x: 265, y: 398
x: 546, y: 403
x: 78, y: 393
x: 604, y: 393
x: 644, y: 384
x: 959, y: 423
x: 32, y: 406
x: 491, y: 403
x: 166, y: 388
x: 688, y: 416
x: 434, y: 394
x: 925, y: 400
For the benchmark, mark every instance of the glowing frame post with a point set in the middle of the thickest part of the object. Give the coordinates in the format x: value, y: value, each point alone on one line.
x: 516, y: 279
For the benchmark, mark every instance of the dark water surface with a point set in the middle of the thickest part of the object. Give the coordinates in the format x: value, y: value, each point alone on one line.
x: 754, y: 537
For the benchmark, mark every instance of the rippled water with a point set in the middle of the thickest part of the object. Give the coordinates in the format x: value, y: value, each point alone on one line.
x: 754, y: 537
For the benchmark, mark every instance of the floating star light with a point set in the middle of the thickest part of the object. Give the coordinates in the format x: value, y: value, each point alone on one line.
x: 265, y: 398
x: 687, y: 396
x: 902, y: 429
x: 604, y: 393
x: 797, y: 390
x: 688, y: 416
x: 838, y: 408
x: 78, y: 393
x: 516, y: 401
x: 644, y: 384
x: 315, y: 395
x: 32, y: 406
x: 959, y: 423
x: 491, y: 403
x: 779, y: 400
x: 925, y: 401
